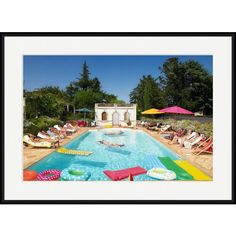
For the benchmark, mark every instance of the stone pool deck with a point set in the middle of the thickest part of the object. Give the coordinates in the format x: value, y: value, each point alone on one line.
x: 32, y: 155
x: 203, y: 162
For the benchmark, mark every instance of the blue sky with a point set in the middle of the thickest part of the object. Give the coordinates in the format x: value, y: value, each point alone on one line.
x: 118, y: 74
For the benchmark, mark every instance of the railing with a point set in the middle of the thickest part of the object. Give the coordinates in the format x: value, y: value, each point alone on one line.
x: 114, y: 105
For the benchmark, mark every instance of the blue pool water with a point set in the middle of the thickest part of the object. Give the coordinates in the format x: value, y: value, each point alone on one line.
x: 139, y: 150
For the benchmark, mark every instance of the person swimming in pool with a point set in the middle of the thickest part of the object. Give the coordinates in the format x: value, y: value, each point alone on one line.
x: 111, y: 144
x: 114, y: 133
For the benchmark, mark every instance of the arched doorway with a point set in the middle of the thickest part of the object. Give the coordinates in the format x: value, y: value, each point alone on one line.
x: 104, y: 116
x: 126, y: 116
x: 115, y: 118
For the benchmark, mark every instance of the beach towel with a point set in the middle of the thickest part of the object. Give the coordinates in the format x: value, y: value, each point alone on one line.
x: 192, y: 170
x: 57, y: 127
x: 41, y: 135
x: 171, y: 165
x: 125, y: 173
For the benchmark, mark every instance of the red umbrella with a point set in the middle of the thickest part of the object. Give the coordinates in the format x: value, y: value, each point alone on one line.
x: 176, y: 110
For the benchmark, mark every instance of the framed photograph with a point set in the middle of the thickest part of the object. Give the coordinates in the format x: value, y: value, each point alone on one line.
x: 118, y: 118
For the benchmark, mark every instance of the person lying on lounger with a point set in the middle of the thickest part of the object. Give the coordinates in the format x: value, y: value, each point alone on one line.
x: 111, y: 144
x: 154, y: 127
x: 193, y: 141
x: 28, y: 139
x: 54, y: 133
x: 60, y: 130
x: 188, y: 136
x: 177, y: 135
x: 45, y: 136
x: 69, y: 128
x: 165, y: 129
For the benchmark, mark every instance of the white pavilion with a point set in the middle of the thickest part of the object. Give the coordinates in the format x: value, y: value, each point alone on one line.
x: 114, y: 114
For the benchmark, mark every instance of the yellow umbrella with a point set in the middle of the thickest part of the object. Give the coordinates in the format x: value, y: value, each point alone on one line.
x: 152, y: 111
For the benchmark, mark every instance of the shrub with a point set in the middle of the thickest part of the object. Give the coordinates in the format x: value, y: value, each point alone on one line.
x: 203, y: 128
x: 43, y: 123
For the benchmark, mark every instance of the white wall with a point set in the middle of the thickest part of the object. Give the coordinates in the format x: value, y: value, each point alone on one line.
x: 111, y: 110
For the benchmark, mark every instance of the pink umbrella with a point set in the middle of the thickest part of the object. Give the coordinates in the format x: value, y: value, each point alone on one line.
x: 176, y: 110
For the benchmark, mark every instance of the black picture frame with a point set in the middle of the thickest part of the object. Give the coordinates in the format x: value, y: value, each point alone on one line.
x: 119, y: 34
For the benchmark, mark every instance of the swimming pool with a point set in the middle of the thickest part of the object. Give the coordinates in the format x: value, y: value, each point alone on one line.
x: 138, y: 147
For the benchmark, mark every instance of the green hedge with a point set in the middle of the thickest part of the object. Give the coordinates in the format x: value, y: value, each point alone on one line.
x: 33, y: 126
x: 203, y: 128
x: 79, y: 116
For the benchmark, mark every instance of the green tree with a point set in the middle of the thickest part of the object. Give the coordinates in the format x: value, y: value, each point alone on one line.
x: 108, y: 98
x: 187, y: 84
x: 87, y: 98
x: 147, y: 94
x: 117, y: 101
x: 147, y: 98
x: 84, y: 83
x: 46, y: 101
x: 95, y: 85
x: 32, y: 101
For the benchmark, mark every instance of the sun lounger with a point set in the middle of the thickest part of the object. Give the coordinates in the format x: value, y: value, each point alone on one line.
x: 52, y: 134
x: 69, y: 128
x: 27, y: 140
x: 125, y: 173
x: 165, y: 129
x: 190, y: 143
x: 45, y: 136
x: 192, y: 135
x: 60, y: 129
x: 205, y: 147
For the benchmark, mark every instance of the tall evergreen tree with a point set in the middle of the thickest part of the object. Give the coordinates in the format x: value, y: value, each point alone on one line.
x: 95, y: 85
x: 84, y: 82
x: 86, y: 89
x: 147, y: 94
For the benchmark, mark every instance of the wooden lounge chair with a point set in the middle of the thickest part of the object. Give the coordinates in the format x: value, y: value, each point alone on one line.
x: 204, y: 147
x: 45, y: 144
x: 45, y: 137
x: 202, y: 144
x: 189, y: 144
x: 69, y: 128
x: 154, y: 127
x: 166, y: 129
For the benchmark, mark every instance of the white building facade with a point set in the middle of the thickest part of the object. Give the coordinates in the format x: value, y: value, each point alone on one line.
x: 114, y: 114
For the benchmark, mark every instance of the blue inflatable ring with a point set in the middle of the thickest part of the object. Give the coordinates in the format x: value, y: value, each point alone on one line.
x: 73, y: 174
